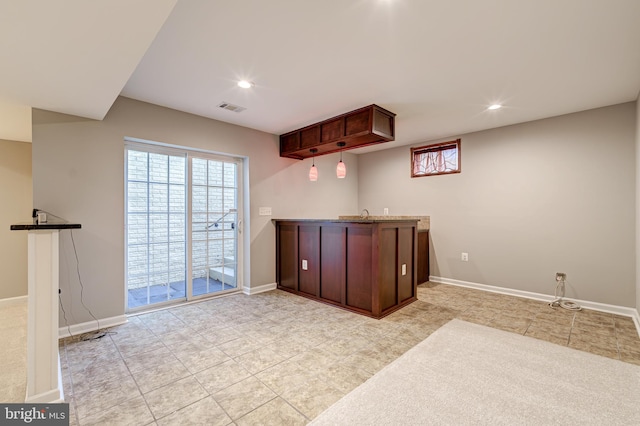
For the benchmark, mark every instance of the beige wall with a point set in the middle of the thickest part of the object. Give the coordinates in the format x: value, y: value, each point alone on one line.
x: 638, y: 204
x: 554, y: 195
x: 502, y: 209
x: 79, y: 175
x: 15, y: 199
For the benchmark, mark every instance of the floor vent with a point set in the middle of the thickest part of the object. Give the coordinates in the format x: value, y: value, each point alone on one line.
x: 231, y: 107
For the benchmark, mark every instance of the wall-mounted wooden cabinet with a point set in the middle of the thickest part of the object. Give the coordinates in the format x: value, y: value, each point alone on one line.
x: 365, y: 126
x: 369, y: 267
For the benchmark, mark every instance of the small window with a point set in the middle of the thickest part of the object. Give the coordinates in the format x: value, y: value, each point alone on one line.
x: 437, y: 159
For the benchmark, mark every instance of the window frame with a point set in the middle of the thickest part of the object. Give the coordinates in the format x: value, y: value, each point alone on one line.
x: 242, y: 255
x: 436, y: 147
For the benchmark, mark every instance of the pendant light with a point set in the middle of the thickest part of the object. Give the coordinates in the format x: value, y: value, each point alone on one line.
x: 341, y: 169
x: 313, y: 171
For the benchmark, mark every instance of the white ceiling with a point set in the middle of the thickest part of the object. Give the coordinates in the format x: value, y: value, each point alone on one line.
x: 71, y: 56
x: 437, y: 64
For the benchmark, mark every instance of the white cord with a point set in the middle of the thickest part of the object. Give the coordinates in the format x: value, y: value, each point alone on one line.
x: 559, y: 302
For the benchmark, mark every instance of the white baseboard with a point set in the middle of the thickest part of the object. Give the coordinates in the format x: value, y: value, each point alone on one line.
x: 53, y: 396
x: 89, y: 326
x: 602, y: 307
x: 636, y: 319
x: 13, y: 301
x: 60, y: 385
x: 259, y: 289
x: 48, y: 397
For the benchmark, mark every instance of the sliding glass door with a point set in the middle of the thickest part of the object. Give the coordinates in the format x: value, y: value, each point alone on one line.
x: 214, y: 212
x: 181, y: 225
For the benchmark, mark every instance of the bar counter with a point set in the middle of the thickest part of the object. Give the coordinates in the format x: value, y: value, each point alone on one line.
x: 368, y: 266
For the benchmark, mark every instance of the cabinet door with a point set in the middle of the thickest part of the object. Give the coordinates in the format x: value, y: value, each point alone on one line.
x: 309, y: 259
x: 359, y: 122
x: 287, y: 254
x: 332, y: 262
x: 405, y: 257
x: 289, y: 142
x: 359, y: 292
x: 388, y: 272
x: 423, y: 256
x: 383, y: 124
x: 309, y: 137
x: 332, y: 130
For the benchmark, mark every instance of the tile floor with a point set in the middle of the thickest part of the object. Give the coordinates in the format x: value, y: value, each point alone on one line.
x: 275, y: 358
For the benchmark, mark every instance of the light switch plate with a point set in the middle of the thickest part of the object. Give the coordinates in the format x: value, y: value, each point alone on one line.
x: 264, y: 211
x: 404, y: 269
x: 304, y: 264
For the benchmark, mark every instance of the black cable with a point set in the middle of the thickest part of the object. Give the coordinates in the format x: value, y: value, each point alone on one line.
x: 64, y: 314
x: 82, y: 285
x: 98, y: 333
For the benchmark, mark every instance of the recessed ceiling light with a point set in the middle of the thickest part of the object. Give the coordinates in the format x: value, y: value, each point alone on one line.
x: 495, y: 106
x: 245, y: 84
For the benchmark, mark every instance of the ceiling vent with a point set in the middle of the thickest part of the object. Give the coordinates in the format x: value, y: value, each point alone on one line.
x: 231, y: 107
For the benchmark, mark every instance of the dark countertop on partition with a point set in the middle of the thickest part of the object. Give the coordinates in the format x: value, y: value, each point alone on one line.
x: 44, y: 226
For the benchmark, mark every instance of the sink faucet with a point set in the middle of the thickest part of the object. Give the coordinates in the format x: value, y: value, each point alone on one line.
x: 364, y: 214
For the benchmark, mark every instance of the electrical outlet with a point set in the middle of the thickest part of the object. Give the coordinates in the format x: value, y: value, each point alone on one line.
x: 385, y: 211
x: 561, y: 276
x: 264, y: 211
x: 464, y: 257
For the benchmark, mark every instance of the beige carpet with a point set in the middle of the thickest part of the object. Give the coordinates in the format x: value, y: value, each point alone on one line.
x: 470, y: 374
x: 13, y: 352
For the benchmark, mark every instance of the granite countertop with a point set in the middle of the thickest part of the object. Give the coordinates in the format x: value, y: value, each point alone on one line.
x: 344, y: 220
x: 423, y: 221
